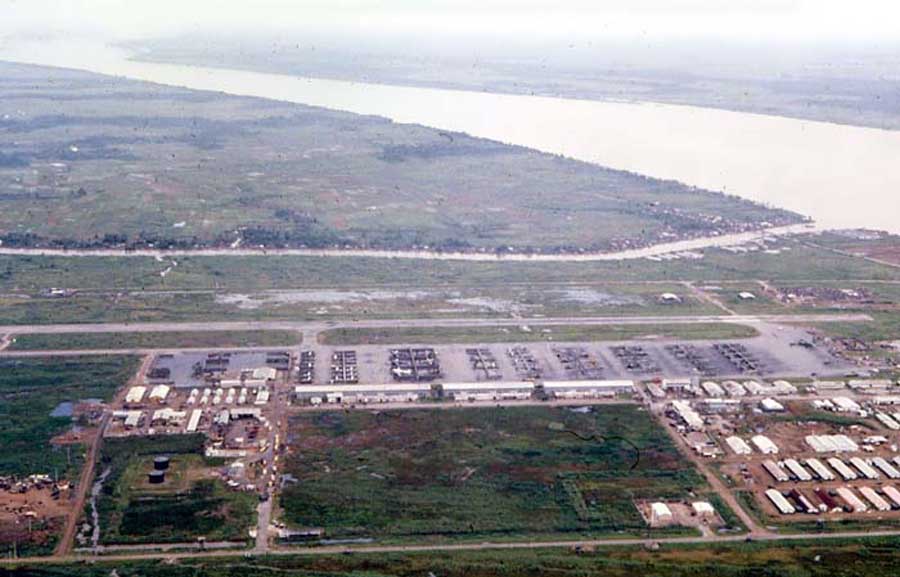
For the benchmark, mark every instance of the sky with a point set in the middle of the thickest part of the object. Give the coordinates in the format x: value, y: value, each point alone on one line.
x: 871, y: 22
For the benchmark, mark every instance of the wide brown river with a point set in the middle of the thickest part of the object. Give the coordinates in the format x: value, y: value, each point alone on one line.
x: 841, y: 176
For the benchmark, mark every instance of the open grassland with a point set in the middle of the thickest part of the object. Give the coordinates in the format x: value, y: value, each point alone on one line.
x: 480, y: 473
x: 442, y: 335
x: 312, y: 304
x: 879, y: 246
x: 30, y: 390
x: 885, y: 326
x: 130, y: 289
x: 160, y: 340
x: 833, y: 558
x: 190, y: 504
x: 99, y: 161
x: 32, y: 274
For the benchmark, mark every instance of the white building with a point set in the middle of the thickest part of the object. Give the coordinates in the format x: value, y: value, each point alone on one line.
x: 782, y: 504
x: 765, y: 445
x: 135, y: 394
x: 159, y: 393
x: 194, y: 421
x: 660, y: 514
x: 690, y: 417
x: 845, y: 405
x: 712, y: 389
x: 265, y: 373
x: 831, y: 444
x: 703, y: 509
x: 770, y: 405
x: 738, y: 445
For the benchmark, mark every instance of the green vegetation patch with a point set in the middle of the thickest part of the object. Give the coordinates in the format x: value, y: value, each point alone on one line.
x: 480, y: 473
x: 559, y: 333
x: 188, y: 505
x: 154, y: 340
x: 31, y: 389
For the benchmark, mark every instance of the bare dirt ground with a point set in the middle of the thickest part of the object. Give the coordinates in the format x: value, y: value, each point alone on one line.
x: 33, y: 517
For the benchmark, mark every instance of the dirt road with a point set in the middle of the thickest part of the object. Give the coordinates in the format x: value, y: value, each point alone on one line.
x: 67, y: 539
x: 714, y: 481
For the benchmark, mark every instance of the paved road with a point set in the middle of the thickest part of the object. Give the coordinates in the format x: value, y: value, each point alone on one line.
x: 650, y: 251
x: 360, y: 550
x: 12, y: 330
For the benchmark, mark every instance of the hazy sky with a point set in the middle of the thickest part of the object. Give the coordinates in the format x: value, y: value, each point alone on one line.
x: 810, y: 21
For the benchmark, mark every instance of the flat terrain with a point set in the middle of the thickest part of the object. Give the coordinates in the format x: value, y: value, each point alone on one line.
x: 42, y: 431
x: 158, y: 340
x: 441, y: 335
x: 191, y: 503
x: 134, y: 289
x: 479, y: 473
x: 180, y: 168
x: 840, y: 557
x: 32, y: 389
x: 858, y: 89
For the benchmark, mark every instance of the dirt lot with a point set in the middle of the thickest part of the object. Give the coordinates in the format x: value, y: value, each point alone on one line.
x: 32, y: 519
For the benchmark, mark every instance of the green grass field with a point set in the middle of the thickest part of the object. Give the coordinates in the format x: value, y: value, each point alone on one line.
x: 32, y: 274
x: 129, y: 289
x: 188, y: 505
x: 30, y: 389
x: 160, y: 340
x: 441, y: 335
x: 481, y: 473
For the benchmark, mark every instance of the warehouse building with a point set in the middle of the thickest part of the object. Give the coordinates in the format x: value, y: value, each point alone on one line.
x: 738, y: 445
x: 712, y: 389
x: 344, y: 394
x: 135, y: 394
x: 866, y: 469
x: 875, y: 499
x: 889, y: 470
x: 852, y: 500
x: 765, y: 445
x: 703, y: 509
x: 843, y: 470
x: 660, y: 514
x: 887, y: 421
x: 797, y: 470
x: 167, y: 416
x: 159, y: 393
x: 782, y: 504
x: 194, y: 421
x: 588, y: 389
x: 831, y: 444
x: 822, y: 472
x: 689, y: 416
x: 774, y: 469
x: 770, y: 405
